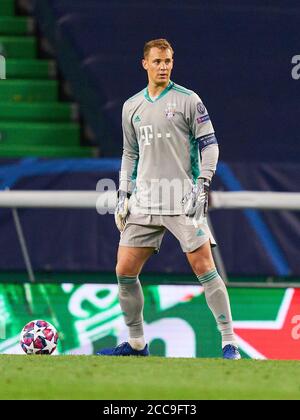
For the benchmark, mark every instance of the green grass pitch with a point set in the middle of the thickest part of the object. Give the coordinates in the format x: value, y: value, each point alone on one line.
x: 132, y: 378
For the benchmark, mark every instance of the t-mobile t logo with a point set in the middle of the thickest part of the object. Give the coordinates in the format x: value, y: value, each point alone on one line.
x: 2, y: 68
x: 146, y: 132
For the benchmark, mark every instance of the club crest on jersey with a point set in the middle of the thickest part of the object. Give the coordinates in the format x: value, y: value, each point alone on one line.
x: 170, y: 110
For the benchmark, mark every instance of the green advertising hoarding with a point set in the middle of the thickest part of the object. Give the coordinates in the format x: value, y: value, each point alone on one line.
x: 178, y: 322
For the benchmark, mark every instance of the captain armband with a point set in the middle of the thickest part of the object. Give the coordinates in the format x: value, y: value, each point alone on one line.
x: 207, y: 140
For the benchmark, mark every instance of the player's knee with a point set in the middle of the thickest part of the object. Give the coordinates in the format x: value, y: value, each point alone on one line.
x: 202, y: 267
x: 124, y: 269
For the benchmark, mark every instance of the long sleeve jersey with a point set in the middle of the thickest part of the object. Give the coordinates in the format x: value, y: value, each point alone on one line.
x: 161, y: 155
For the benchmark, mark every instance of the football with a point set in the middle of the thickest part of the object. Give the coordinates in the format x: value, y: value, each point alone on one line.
x: 39, y: 337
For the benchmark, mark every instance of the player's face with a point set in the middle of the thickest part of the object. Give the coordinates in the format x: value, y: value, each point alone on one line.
x: 159, y: 65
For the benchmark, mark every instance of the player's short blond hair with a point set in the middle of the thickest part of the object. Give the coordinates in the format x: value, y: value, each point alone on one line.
x: 160, y: 43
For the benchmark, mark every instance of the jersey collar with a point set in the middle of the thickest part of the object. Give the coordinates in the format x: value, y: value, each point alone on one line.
x: 163, y: 93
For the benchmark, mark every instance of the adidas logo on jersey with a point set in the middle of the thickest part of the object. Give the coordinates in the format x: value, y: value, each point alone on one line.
x: 137, y: 119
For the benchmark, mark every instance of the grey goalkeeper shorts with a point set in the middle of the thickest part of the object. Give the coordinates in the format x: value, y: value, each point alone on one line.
x: 146, y: 230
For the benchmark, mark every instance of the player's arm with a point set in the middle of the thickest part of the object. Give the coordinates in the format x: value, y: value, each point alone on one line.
x: 209, y: 159
x: 196, y: 204
x: 128, y: 167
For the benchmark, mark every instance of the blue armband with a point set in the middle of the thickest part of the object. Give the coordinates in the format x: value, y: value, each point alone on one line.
x: 207, y: 140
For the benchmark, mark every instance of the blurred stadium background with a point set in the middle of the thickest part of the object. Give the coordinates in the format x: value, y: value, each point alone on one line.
x: 70, y: 65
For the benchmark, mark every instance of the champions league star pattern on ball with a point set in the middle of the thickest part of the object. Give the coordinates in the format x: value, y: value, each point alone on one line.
x: 39, y: 337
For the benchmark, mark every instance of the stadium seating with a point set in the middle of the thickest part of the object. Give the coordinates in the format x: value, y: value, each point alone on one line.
x: 248, y: 90
x: 32, y: 120
x: 245, y: 81
x: 7, y: 8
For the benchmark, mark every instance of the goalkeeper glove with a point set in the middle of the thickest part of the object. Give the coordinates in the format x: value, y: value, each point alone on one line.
x: 122, y: 210
x: 196, y: 201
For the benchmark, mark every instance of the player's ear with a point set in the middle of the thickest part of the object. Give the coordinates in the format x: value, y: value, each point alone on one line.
x: 145, y: 64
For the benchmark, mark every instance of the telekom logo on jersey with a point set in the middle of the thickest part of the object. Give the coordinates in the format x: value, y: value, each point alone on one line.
x: 146, y: 134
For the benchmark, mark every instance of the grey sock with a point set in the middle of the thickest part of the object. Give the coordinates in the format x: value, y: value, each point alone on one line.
x: 218, y: 301
x: 131, y: 299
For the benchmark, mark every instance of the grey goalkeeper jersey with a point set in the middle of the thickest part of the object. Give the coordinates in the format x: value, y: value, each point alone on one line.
x: 161, y: 156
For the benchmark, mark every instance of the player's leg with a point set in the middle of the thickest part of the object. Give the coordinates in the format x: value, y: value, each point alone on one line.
x: 196, y: 244
x: 129, y: 265
x: 141, y: 237
x: 202, y: 263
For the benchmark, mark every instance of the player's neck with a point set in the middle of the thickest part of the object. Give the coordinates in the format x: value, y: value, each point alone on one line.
x: 155, y: 90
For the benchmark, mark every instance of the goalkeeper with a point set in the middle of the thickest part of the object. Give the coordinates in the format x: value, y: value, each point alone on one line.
x: 166, y: 130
